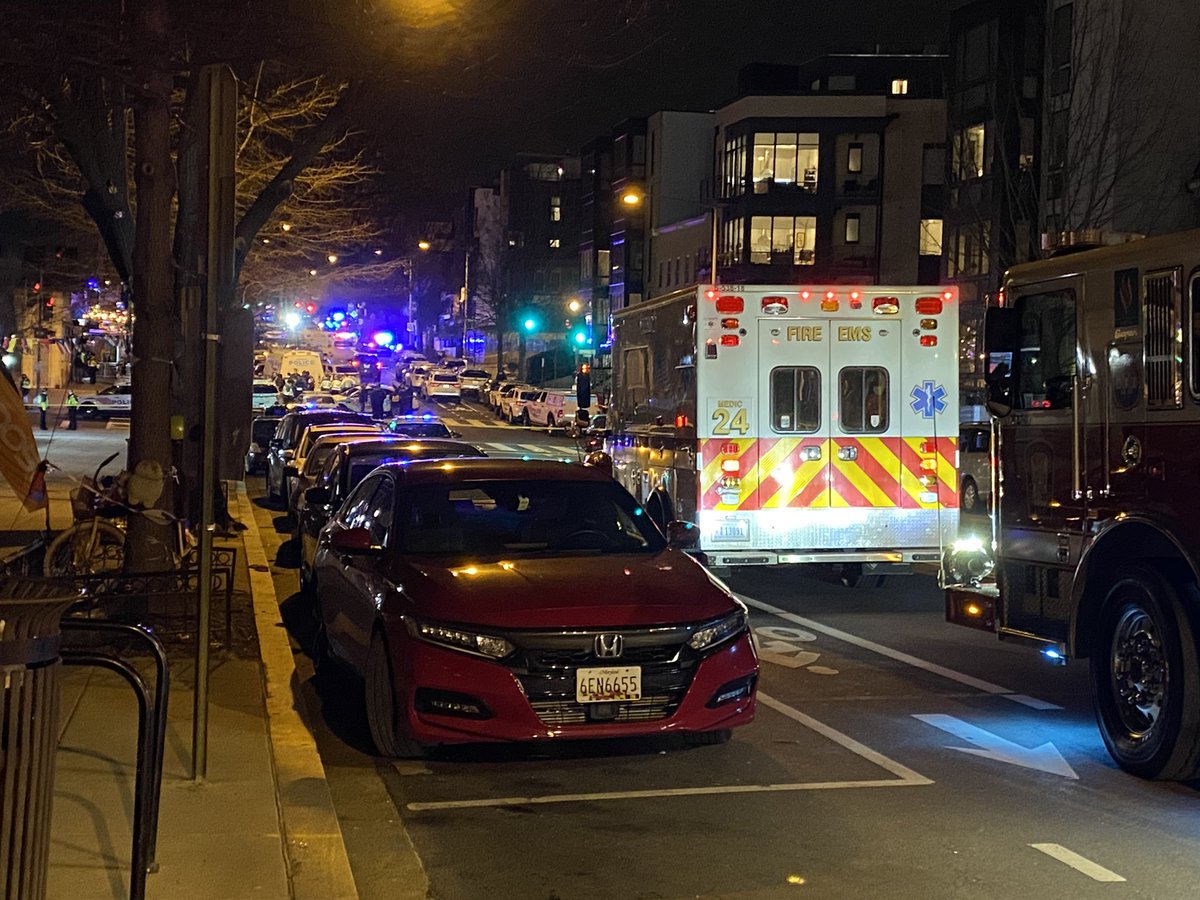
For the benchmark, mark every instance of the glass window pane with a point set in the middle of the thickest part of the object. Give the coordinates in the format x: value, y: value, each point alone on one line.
x: 795, y: 399
x: 760, y: 239
x: 764, y: 157
x: 864, y: 399
x: 781, y: 240
x: 931, y: 238
x: 807, y: 144
x: 785, y: 158
x: 853, y: 220
x: 1046, y: 359
x: 854, y: 159
x: 805, y: 241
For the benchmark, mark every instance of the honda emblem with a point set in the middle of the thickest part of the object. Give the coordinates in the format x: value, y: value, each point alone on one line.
x: 609, y: 646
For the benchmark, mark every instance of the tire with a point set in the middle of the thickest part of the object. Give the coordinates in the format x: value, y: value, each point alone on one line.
x: 69, y: 553
x: 968, y: 496
x: 851, y: 575
x: 318, y: 652
x: 708, y: 738
x: 549, y: 422
x: 89, y: 412
x: 525, y: 418
x: 381, y: 703
x: 1146, y: 678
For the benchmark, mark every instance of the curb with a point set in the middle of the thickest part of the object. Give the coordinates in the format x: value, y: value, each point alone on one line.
x: 313, y: 847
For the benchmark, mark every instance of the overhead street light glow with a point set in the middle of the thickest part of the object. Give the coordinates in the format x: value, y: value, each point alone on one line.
x: 333, y: 258
x: 631, y: 198
x: 423, y: 245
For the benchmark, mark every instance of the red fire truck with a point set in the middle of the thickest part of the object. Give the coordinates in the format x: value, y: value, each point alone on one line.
x: 793, y: 423
x: 1094, y: 386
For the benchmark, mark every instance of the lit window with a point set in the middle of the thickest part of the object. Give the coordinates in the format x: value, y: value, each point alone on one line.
x: 785, y: 158
x: 969, y: 156
x: 556, y: 209
x: 931, y: 237
x: 854, y: 159
x: 554, y: 243
x: 853, y: 221
x: 805, y: 241
x: 899, y: 86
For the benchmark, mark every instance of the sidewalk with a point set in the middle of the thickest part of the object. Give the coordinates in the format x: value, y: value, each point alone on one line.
x: 262, y: 823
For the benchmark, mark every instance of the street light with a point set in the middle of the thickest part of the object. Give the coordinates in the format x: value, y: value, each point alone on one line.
x: 574, y: 306
x: 631, y: 197
x: 286, y: 226
x: 333, y: 258
x: 423, y: 245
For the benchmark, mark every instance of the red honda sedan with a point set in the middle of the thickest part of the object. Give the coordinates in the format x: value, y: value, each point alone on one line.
x: 509, y: 600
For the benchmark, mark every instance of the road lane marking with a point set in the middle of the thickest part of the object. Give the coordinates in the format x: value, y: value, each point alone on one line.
x: 506, y: 448
x: 1044, y: 757
x: 933, y: 668
x: 1092, y: 870
x: 905, y: 777
x: 900, y: 770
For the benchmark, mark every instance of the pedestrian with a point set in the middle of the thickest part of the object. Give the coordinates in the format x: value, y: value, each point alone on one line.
x: 43, y: 402
x: 378, y: 395
x: 72, y: 411
x: 25, y: 385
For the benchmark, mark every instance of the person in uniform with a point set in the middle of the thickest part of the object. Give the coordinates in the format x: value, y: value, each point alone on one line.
x: 43, y: 402
x: 72, y: 411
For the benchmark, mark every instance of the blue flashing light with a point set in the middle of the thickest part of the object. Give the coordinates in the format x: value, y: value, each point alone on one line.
x: 383, y: 338
x: 427, y: 416
x: 338, y: 316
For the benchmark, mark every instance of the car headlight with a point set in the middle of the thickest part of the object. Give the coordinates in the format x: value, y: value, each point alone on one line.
x: 708, y: 636
x: 486, y: 645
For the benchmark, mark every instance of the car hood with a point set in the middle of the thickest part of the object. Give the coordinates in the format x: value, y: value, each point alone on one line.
x: 610, y: 591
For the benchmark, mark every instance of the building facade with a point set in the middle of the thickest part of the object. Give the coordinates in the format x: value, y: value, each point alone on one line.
x: 831, y: 172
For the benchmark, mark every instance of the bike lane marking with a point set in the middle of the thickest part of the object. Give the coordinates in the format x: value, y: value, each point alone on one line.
x: 978, y: 684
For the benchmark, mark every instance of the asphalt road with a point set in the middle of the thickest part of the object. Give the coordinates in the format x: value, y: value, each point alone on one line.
x: 893, y: 756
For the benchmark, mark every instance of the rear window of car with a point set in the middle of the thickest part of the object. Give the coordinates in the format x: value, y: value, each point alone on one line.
x: 445, y: 379
x: 500, y: 518
x: 474, y: 373
x: 422, y: 430
x: 264, y: 389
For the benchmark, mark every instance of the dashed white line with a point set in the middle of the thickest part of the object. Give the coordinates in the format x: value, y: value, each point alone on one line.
x: 1082, y: 864
x: 933, y: 668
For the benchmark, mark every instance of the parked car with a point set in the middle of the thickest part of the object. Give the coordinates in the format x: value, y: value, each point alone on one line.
x: 442, y: 385
x: 282, y: 446
x: 512, y: 407
x: 420, y: 426
x: 477, y: 603
x: 304, y: 446
x: 453, y: 363
x: 590, y: 422
x: 346, y: 466
x: 262, y: 430
x: 417, y: 373
x: 114, y: 400
x: 551, y: 408
x: 974, y: 468
x: 474, y: 381
x: 311, y: 465
x: 263, y: 394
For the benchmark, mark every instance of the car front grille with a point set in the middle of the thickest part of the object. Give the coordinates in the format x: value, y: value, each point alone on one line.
x: 545, y: 664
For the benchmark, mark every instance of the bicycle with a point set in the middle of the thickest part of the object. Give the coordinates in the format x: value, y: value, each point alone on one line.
x: 95, y: 543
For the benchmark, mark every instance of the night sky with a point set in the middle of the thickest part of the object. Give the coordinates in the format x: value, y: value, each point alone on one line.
x: 500, y: 77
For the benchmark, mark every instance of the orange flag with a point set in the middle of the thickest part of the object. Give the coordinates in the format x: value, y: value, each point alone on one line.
x: 19, y: 462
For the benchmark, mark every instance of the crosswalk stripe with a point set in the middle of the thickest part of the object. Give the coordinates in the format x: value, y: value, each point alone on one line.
x: 505, y: 447
x: 536, y: 448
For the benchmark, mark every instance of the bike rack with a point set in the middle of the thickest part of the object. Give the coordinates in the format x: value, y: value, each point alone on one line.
x: 152, y: 730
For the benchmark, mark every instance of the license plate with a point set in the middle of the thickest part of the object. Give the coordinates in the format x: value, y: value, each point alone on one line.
x: 607, y: 685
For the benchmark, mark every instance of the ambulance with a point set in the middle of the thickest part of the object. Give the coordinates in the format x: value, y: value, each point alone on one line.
x: 793, y: 423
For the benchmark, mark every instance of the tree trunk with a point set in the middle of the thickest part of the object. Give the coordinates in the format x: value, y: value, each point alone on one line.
x: 148, y: 546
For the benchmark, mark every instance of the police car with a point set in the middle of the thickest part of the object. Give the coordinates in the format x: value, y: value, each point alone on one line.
x: 114, y: 400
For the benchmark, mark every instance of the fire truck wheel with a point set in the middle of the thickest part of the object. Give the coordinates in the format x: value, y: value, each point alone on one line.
x: 1146, y: 678
x: 969, y: 496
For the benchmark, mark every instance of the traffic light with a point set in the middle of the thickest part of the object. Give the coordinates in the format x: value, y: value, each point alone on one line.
x: 530, y: 324
x: 580, y: 337
x: 311, y: 308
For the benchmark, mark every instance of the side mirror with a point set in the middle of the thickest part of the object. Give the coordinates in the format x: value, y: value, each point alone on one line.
x: 317, y: 496
x: 355, y: 541
x: 682, y: 535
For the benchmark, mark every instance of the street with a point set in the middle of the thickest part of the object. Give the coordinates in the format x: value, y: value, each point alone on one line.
x: 893, y: 755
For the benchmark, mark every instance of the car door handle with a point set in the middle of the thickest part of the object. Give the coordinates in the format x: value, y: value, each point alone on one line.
x: 810, y: 454
x: 848, y: 453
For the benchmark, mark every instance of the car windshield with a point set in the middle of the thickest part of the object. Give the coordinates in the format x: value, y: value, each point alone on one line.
x: 421, y: 429
x: 502, y: 518
x: 264, y: 389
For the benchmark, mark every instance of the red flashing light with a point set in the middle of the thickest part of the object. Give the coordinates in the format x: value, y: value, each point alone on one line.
x: 729, y: 323
x: 681, y: 421
x: 729, y: 448
x: 929, y: 306
x: 37, y: 286
x: 50, y: 302
x: 928, y: 447
x: 710, y: 294
x: 311, y: 308
x: 830, y: 303
x: 948, y: 296
x: 855, y: 300
x: 584, y: 369
x: 298, y: 304
x: 730, y: 340
x: 728, y: 304
x: 804, y: 295
x: 885, y: 306
x: 928, y: 340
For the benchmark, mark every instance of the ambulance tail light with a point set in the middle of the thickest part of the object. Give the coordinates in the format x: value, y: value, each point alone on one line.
x: 731, y: 466
x: 928, y: 340
x: 730, y: 305
x: 830, y: 302
x: 805, y: 296
x: 929, y: 324
x: 681, y: 421
x: 710, y: 294
x: 774, y: 305
x: 730, y: 340
x: 885, y: 306
x: 928, y: 447
x: 729, y: 323
x: 929, y: 465
x: 929, y: 306
x: 855, y: 300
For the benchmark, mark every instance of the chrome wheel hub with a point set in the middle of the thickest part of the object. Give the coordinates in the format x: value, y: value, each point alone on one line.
x: 1139, y: 671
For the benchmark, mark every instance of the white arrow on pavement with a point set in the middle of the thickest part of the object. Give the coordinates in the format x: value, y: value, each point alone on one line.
x: 1044, y: 758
